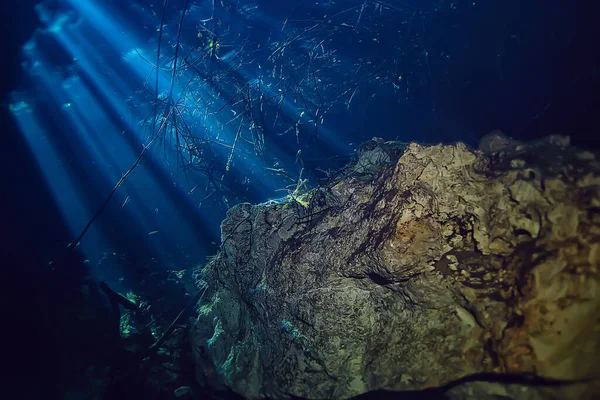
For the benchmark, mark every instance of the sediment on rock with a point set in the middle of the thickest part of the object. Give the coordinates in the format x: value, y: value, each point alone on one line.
x: 411, y: 268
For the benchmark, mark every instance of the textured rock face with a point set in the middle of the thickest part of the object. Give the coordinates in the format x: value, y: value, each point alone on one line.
x: 414, y: 267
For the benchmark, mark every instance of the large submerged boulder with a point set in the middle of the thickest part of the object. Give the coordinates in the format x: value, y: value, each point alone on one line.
x: 412, y: 268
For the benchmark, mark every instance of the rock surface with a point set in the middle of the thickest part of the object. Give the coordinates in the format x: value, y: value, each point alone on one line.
x: 413, y: 267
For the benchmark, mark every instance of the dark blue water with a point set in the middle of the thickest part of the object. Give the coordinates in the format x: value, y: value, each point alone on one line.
x: 265, y: 93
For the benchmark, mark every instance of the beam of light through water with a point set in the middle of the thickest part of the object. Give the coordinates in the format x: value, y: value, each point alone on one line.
x: 92, y: 114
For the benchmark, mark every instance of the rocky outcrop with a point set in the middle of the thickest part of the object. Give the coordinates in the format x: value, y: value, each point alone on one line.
x: 413, y: 267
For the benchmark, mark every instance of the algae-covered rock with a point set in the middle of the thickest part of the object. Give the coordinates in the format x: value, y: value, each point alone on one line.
x: 412, y: 268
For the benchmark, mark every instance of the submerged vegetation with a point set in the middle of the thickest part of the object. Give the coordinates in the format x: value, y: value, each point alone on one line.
x: 227, y: 88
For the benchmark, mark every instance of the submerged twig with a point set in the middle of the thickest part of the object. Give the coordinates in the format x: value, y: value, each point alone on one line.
x: 166, y: 115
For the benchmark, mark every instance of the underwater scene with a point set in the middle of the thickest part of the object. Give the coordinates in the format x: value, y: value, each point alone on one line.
x: 302, y: 199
